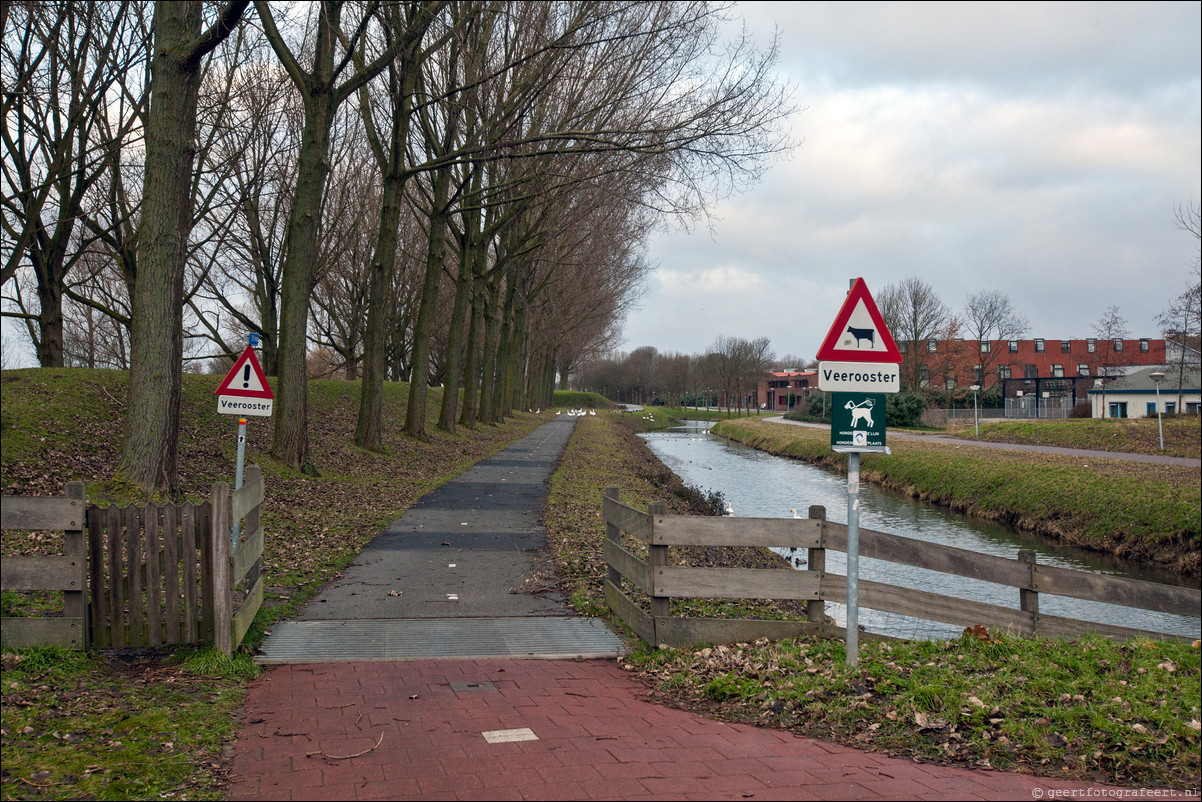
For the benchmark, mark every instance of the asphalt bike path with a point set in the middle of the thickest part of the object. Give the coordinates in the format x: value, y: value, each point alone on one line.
x: 437, y: 667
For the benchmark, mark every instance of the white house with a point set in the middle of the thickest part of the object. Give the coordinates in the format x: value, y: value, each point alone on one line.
x: 1135, y: 394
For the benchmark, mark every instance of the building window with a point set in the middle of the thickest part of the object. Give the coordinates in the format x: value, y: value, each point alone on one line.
x: 1003, y: 371
x: 1118, y: 409
x: 984, y: 346
x: 1118, y: 347
x: 1039, y: 345
x: 1066, y: 346
x: 1091, y: 345
x: 1031, y: 372
x: 932, y: 346
x: 1057, y: 371
x: 1170, y: 407
x: 1143, y: 345
x: 1014, y: 346
x: 903, y: 347
x: 1191, y: 407
x: 1151, y: 410
x: 924, y: 376
x: 1082, y: 370
x: 949, y: 382
x: 978, y: 375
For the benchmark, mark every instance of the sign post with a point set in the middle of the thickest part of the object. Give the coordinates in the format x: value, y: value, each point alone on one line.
x: 857, y: 364
x: 244, y: 391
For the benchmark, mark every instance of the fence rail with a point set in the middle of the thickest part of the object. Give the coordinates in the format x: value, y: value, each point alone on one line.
x: 147, y: 576
x: 53, y: 573
x: 662, y: 582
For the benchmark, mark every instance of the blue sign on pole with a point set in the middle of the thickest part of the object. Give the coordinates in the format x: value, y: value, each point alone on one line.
x: 254, y: 339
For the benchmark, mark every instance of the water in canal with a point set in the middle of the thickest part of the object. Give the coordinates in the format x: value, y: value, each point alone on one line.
x: 760, y: 485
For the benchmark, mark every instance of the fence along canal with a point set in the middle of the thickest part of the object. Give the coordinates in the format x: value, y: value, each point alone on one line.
x: 761, y: 485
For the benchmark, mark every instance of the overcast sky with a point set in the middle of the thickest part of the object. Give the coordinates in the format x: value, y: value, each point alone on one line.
x: 1039, y: 149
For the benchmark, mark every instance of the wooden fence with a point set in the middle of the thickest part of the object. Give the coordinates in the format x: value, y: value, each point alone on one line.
x: 157, y: 575
x: 663, y: 582
x: 65, y: 573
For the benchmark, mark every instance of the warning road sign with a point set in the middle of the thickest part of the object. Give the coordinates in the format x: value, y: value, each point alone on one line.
x: 244, y: 390
x: 859, y: 333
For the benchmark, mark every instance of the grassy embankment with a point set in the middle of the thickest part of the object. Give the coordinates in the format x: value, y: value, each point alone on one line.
x: 128, y: 726
x: 1134, y: 510
x: 1182, y: 434
x: 1087, y: 708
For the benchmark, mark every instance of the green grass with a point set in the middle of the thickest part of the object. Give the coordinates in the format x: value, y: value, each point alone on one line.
x: 78, y: 727
x: 1182, y: 434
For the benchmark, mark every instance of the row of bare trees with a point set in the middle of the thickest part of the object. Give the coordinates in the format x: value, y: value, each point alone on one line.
x: 729, y: 373
x: 440, y: 191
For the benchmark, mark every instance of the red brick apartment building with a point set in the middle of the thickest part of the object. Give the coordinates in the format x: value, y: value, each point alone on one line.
x: 1024, y: 366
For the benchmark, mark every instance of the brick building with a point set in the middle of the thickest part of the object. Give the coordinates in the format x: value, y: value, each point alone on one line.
x: 1020, y: 367
x: 786, y: 389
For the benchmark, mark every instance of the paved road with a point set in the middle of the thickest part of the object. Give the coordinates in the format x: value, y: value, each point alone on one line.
x: 327, y: 723
x: 1071, y: 452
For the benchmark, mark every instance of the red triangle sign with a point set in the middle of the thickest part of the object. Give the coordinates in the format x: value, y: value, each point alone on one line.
x: 859, y: 333
x: 245, y: 379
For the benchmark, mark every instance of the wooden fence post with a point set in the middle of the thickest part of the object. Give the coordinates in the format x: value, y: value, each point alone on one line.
x: 657, y: 559
x: 614, y: 535
x: 1028, y: 597
x: 75, y: 604
x: 219, y: 549
x: 816, y: 608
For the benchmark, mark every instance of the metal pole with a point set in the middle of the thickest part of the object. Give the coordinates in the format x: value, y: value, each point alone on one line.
x: 238, y: 475
x: 976, y: 423
x: 1159, y: 425
x: 853, y: 558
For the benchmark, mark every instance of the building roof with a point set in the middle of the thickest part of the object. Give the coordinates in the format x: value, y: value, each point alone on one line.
x: 1140, y: 381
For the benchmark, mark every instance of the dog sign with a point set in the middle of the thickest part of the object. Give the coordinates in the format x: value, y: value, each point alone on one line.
x: 858, y: 421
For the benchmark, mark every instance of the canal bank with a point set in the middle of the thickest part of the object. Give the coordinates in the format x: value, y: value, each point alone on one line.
x: 1137, y: 511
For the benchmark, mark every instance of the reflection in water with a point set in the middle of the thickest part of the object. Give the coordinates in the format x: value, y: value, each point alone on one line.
x: 760, y: 485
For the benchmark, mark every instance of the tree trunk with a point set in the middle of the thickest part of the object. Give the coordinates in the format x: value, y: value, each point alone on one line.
x: 369, y: 431
x: 423, y: 327
x: 150, y: 452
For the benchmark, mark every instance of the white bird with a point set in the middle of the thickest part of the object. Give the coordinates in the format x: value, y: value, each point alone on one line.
x: 729, y: 509
x: 795, y: 515
x: 592, y: 412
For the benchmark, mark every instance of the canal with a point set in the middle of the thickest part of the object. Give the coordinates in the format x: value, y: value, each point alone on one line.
x: 760, y: 485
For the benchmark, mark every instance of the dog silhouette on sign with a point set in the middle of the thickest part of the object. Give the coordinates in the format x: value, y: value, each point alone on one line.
x: 861, y: 411
x: 863, y: 334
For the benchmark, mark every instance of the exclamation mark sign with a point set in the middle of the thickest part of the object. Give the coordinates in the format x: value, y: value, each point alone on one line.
x: 246, y: 376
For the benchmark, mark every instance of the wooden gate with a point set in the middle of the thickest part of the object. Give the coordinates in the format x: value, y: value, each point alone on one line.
x: 157, y: 575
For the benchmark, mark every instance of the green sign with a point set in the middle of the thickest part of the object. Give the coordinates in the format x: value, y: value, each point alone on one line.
x: 858, y: 421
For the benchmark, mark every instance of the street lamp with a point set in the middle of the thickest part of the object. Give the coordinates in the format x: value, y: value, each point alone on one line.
x: 976, y: 426
x: 1156, y: 376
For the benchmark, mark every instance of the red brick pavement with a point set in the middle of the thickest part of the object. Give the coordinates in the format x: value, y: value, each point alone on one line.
x: 414, y: 736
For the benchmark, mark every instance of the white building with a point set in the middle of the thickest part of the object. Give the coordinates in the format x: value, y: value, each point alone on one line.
x: 1135, y: 394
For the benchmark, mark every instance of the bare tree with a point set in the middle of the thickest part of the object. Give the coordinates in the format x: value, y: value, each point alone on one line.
x: 988, y: 316
x: 63, y: 62
x: 1110, y: 329
x: 914, y: 315
x: 1182, y: 320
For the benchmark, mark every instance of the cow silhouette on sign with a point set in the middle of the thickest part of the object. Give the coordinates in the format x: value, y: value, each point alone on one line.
x: 863, y: 334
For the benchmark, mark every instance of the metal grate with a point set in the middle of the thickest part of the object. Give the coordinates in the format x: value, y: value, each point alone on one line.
x: 438, y: 639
